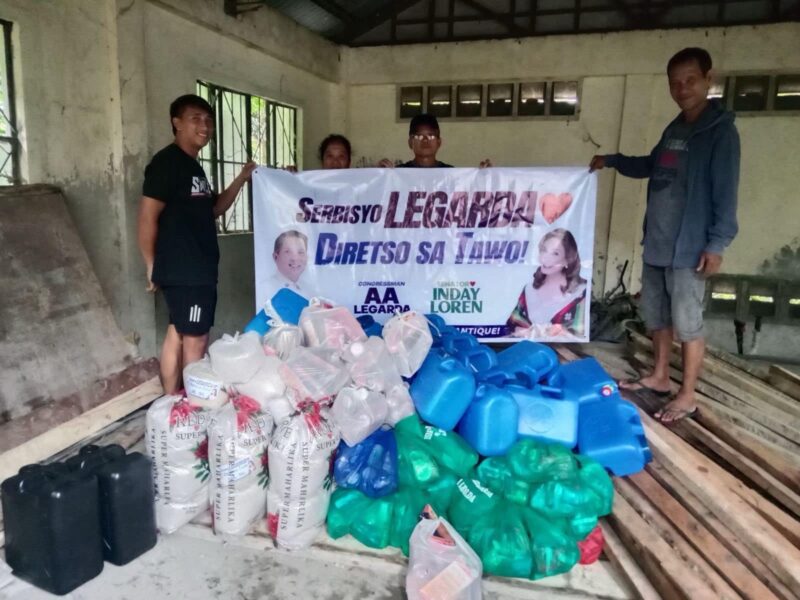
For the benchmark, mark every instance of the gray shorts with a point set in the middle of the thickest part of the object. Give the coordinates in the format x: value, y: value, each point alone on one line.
x: 673, y: 298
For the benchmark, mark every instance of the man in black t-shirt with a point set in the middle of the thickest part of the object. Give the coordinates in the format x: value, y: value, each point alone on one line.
x: 178, y: 236
x: 424, y: 140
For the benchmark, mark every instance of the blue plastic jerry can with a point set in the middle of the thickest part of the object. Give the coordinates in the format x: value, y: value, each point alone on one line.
x: 490, y: 423
x: 545, y: 415
x: 260, y: 323
x: 479, y: 358
x: 611, y: 433
x: 288, y: 304
x: 437, y: 326
x: 370, y: 326
x: 442, y: 390
x: 583, y: 380
x: 456, y: 342
x: 526, y: 361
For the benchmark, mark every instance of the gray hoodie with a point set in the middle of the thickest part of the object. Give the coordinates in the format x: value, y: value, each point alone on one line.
x: 709, y: 217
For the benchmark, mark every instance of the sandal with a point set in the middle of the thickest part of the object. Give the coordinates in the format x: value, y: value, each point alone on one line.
x: 637, y: 381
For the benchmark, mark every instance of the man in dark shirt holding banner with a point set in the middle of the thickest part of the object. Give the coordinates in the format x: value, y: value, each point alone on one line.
x: 178, y: 236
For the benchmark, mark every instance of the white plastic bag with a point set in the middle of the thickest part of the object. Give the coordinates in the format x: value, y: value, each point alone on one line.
x: 266, y: 383
x: 370, y: 365
x: 237, y: 358
x: 408, y: 339
x: 204, y: 387
x: 282, y: 339
x: 332, y: 327
x: 314, y: 374
x: 177, y: 442
x: 300, y: 461
x: 441, y: 565
x: 399, y: 403
x: 358, y: 412
x: 238, y: 436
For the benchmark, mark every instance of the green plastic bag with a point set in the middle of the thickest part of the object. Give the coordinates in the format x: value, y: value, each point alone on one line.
x: 496, y: 474
x: 373, y: 526
x: 471, y: 501
x: 552, y: 549
x: 345, y: 505
x: 408, y: 503
x: 500, y: 538
x: 535, y: 462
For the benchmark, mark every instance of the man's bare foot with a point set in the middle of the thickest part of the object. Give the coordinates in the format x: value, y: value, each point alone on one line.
x: 660, y: 387
x: 682, y: 406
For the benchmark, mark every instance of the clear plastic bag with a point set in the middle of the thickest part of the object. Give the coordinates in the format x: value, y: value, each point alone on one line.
x: 314, y: 374
x: 332, y: 327
x: 358, y: 412
x: 408, y: 339
x: 371, y: 366
x: 266, y: 383
x: 282, y: 339
x: 399, y: 403
x: 204, y: 387
x: 441, y: 564
x: 236, y: 358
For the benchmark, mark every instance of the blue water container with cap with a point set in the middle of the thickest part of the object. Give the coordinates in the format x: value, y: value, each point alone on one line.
x: 370, y: 326
x: 611, y: 432
x: 583, y: 380
x: 526, y: 362
x: 259, y: 323
x: 442, y: 390
x: 490, y: 423
x: 479, y: 358
x: 437, y: 326
x: 288, y: 305
x: 545, y: 414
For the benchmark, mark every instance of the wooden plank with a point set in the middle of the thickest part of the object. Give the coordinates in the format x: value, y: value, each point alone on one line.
x: 739, y: 362
x: 785, y: 381
x: 738, y: 384
x: 75, y: 430
x: 679, y: 546
x: 723, y: 561
x: 782, y: 465
x: 723, y: 495
x: 722, y: 533
x: 672, y: 577
x: 623, y: 561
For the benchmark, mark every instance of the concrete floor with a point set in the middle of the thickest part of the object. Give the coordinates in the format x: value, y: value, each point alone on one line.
x: 193, y: 564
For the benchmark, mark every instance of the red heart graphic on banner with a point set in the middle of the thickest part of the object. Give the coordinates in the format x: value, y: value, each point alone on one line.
x: 472, y: 283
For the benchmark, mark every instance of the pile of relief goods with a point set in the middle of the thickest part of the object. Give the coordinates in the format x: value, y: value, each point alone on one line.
x: 409, y: 418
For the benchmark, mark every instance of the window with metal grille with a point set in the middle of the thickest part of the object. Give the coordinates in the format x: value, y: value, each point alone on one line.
x: 248, y: 128
x: 9, y: 140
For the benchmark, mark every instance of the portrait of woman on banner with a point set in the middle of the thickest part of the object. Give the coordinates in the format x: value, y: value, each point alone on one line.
x: 552, y: 304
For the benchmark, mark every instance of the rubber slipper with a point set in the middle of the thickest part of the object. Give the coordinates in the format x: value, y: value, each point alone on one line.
x: 680, y: 415
x: 637, y: 381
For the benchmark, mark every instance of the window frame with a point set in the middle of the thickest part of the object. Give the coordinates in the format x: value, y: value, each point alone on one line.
x: 215, y: 94
x: 13, y: 139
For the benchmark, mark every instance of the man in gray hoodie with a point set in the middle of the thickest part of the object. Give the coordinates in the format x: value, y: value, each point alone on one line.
x: 690, y: 220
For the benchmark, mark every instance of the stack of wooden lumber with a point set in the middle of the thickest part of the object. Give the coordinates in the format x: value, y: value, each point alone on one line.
x: 715, y: 514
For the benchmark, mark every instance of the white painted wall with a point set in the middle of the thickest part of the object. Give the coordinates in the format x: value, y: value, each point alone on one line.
x: 625, y: 105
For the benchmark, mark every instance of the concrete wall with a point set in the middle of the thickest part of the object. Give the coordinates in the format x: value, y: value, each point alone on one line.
x: 625, y: 105
x: 95, y: 79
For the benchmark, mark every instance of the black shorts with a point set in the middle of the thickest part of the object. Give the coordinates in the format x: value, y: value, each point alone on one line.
x: 191, y: 307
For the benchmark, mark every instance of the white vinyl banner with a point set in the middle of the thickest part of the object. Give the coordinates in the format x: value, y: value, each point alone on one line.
x: 502, y: 253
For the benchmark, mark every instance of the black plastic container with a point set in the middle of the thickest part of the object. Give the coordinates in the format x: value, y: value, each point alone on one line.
x: 52, y: 526
x: 126, y: 496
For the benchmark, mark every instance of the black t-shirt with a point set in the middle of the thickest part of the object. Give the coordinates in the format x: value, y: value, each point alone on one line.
x: 186, y: 247
x: 412, y: 165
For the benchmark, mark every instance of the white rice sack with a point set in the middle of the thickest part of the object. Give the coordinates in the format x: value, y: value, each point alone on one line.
x: 266, y: 383
x: 237, y: 358
x: 177, y: 442
x: 280, y: 408
x: 358, y: 412
x: 399, y: 403
x: 301, y: 462
x: 282, y: 339
x: 238, y: 436
x: 370, y: 365
x: 204, y: 387
x: 408, y: 339
x: 332, y: 327
x: 314, y: 374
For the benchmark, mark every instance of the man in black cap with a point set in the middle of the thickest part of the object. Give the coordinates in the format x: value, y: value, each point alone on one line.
x: 424, y: 140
